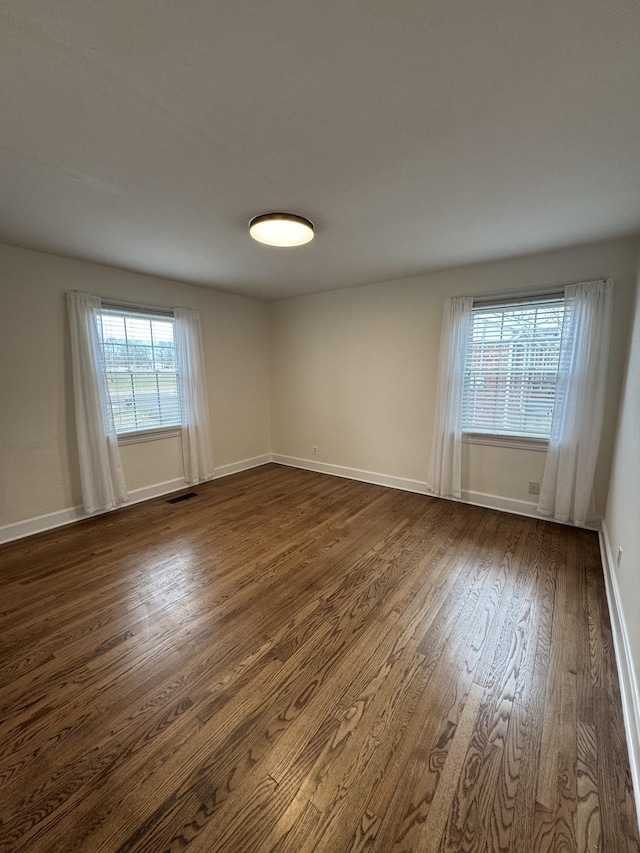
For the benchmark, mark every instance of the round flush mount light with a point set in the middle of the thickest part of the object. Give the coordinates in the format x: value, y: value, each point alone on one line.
x: 281, y: 229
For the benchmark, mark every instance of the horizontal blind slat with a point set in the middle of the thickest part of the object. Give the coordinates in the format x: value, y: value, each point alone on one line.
x: 511, y: 368
x: 140, y: 364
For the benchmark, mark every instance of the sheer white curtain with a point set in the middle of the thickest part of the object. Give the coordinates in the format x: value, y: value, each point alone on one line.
x: 444, y: 476
x: 196, y: 435
x: 565, y: 493
x: 101, y: 476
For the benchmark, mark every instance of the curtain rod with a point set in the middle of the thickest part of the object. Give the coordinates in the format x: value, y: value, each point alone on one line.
x: 551, y: 290
x: 136, y: 307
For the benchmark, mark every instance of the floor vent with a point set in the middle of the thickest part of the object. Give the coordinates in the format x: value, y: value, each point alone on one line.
x: 182, y: 498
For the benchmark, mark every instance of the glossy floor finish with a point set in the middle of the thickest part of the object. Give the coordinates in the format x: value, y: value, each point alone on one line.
x: 296, y: 662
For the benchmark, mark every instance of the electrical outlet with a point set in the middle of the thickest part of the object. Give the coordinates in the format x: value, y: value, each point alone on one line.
x: 534, y: 488
x: 315, y: 449
x: 619, y: 557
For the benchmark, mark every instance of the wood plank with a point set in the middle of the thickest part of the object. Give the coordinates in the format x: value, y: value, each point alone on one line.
x: 295, y: 662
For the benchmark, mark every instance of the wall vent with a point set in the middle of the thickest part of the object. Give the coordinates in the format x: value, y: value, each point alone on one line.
x: 184, y: 497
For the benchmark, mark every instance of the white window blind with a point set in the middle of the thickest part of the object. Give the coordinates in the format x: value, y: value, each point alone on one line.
x: 511, y: 368
x: 140, y: 363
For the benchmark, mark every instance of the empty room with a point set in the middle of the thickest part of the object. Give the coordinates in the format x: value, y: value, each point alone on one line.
x: 319, y: 426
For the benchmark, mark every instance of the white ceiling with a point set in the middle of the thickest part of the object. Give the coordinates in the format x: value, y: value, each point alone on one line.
x: 416, y: 134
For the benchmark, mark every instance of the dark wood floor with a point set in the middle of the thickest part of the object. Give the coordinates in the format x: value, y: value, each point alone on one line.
x: 296, y: 662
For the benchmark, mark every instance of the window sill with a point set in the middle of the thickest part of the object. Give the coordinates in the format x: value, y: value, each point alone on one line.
x: 144, y: 435
x: 516, y: 442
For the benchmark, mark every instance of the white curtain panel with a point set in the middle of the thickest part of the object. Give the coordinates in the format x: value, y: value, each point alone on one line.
x: 196, y: 434
x: 444, y: 477
x: 567, y: 485
x: 101, y: 476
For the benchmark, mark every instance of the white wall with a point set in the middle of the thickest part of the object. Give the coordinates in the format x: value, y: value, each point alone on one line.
x: 38, y: 459
x: 622, y: 518
x: 354, y: 371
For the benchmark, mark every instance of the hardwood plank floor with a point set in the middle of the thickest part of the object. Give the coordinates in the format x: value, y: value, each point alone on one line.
x: 296, y: 662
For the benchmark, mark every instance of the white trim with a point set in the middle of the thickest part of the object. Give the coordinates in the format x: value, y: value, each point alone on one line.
x: 40, y: 523
x: 243, y: 465
x: 143, y: 435
x: 29, y: 526
x: 624, y: 661
x: 418, y: 486
x: 515, y: 506
x: 353, y: 474
x: 515, y: 442
x: 146, y: 493
x: 512, y: 505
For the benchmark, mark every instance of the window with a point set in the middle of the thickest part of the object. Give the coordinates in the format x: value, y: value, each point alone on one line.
x: 511, y: 368
x: 140, y: 365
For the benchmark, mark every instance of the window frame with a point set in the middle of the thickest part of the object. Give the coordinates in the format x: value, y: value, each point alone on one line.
x: 152, y: 433
x: 512, y: 440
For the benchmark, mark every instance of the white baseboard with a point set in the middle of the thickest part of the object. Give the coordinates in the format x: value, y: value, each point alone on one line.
x: 243, y: 465
x: 482, y: 499
x: 352, y: 473
x: 624, y: 659
x: 146, y: 493
x: 513, y: 505
x: 20, y: 529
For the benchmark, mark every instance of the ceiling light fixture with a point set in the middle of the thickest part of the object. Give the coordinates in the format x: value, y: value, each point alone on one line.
x: 281, y: 229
